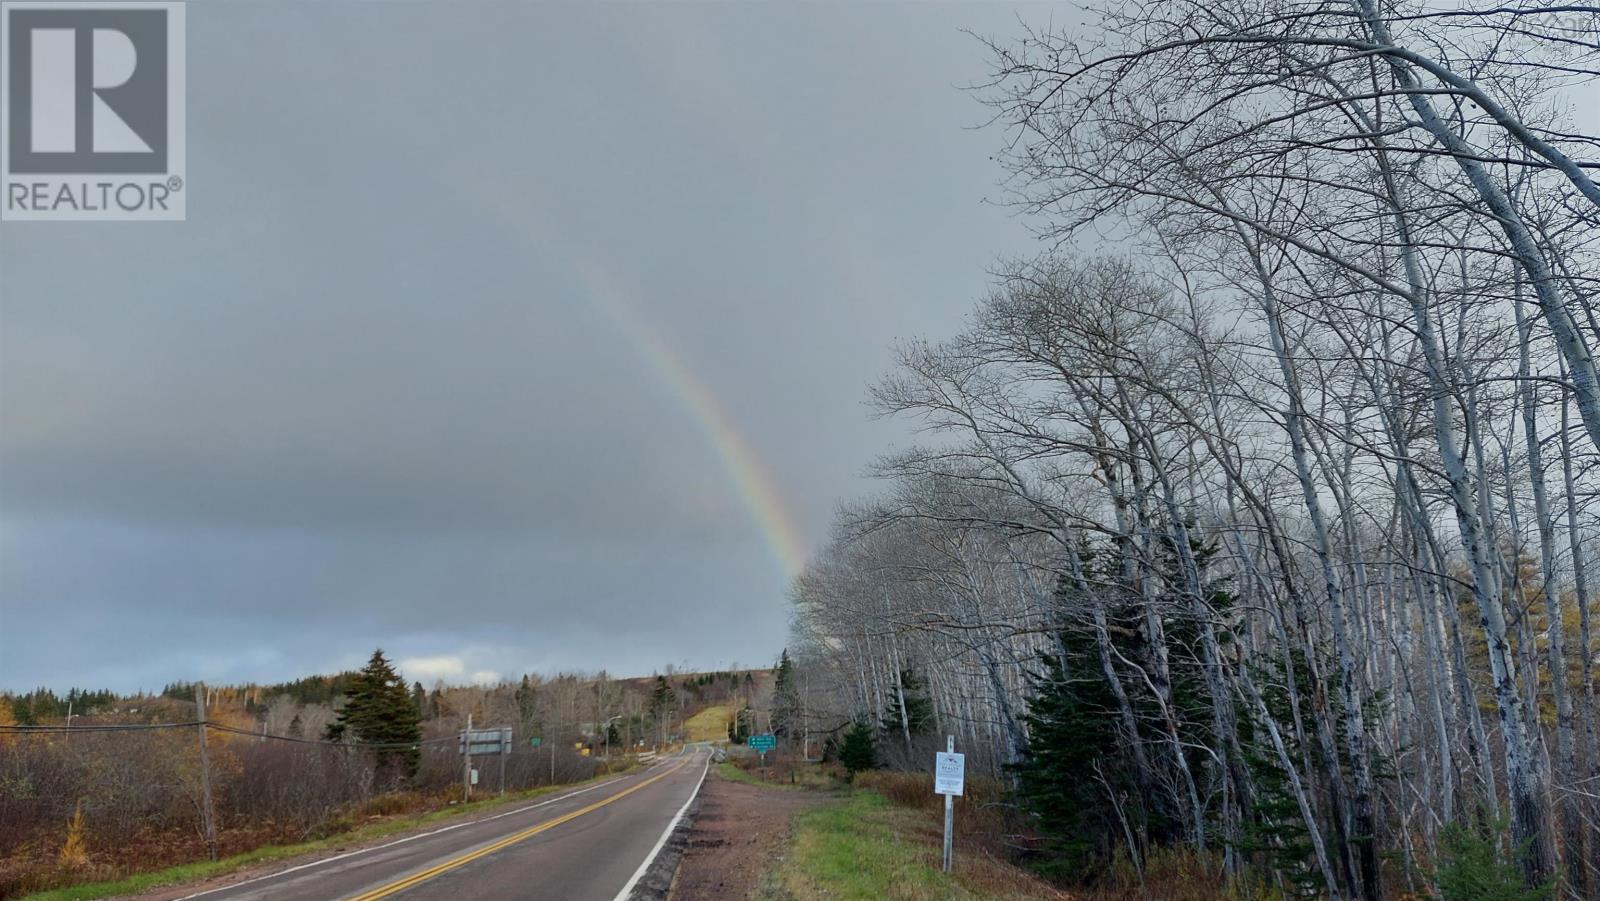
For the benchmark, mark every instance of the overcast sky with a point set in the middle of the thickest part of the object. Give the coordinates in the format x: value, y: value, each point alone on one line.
x: 399, y: 378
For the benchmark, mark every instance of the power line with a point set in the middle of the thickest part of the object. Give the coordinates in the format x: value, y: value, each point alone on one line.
x: 220, y: 727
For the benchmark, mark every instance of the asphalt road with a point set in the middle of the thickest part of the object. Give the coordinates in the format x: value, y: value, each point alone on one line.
x: 589, y: 844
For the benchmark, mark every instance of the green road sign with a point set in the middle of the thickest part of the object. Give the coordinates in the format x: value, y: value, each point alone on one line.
x: 763, y: 742
x: 533, y: 742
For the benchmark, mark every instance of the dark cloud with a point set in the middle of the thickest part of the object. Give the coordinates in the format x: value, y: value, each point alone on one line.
x: 365, y: 394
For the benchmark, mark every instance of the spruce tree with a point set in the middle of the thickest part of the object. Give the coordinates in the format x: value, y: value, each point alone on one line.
x: 1072, y: 746
x: 527, y: 698
x: 378, y: 710
x: 860, y: 750
x: 739, y: 727
x: 918, y: 707
x: 663, y: 703
x: 785, y: 700
x: 419, y: 699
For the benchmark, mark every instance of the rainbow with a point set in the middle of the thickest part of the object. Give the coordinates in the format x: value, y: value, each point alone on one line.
x: 753, y: 481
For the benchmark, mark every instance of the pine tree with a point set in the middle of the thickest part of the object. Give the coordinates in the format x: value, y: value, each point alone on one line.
x: 860, y: 750
x: 379, y: 710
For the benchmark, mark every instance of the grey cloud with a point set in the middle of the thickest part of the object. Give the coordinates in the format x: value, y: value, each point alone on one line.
x: 362, y: 396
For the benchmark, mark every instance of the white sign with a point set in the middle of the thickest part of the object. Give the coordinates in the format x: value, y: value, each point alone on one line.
x: 474, y: 775
x: 949, y: 774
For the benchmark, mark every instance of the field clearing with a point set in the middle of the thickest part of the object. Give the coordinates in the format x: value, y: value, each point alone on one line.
x: 710, y: 724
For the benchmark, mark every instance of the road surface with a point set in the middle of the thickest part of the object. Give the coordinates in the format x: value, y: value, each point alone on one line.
x: 588, y: 844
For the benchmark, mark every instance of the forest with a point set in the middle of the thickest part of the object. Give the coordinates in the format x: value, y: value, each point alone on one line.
x: 1254, y: 518
x: 96, y: 786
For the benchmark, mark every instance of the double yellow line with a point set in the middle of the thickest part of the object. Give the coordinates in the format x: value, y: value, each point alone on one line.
x: 414, y: 879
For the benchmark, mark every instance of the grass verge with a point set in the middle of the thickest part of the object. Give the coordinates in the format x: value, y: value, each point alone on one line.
x: 205, y: 869
x: 802, y: 778
x: 864, y: 847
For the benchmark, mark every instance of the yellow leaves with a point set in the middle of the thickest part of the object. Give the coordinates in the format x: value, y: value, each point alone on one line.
x: 7, y: 718
x: 75, y: 852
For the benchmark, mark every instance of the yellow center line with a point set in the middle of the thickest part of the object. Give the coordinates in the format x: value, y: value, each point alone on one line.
x: 414, y: 879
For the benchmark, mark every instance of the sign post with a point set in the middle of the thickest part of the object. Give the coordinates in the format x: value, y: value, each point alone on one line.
x: 764, y: 742
x: 482, y: 741
x: 949, y: 779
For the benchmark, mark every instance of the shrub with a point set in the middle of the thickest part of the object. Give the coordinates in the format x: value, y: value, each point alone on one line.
x: 1470, y: 869
x: 75, y: 851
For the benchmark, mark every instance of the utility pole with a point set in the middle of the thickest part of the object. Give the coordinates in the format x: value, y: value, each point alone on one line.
x: 208, y: 815
x: 505, y: 751
x: 466, y: 762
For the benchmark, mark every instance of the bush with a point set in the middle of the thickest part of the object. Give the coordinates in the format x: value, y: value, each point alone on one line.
x: 1470, y: 869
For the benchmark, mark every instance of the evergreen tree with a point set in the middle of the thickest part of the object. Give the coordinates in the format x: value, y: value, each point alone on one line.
x: 859, y: 750
x: 663, y: 704
x: 379, y: 710
x: 739, y: 728
x: 527, y: 698
x: 786, y: 718
x: 1471, y: 869
x: 419, y: 700
x: 918, y: 707
x: 1072, y: 745
x: 297, y: 727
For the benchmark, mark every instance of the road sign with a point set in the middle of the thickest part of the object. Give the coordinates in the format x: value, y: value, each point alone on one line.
x: 485, y: 741
x: 763, y: 742
x: 474, y: 775
x: 949, y: 778
x: 949, y: 773
x: 533, y: 742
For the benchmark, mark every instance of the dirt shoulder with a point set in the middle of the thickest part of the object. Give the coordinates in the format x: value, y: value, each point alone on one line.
x: 740, y: 833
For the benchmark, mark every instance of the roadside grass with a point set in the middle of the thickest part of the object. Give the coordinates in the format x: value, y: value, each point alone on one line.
x: 205, y: 869
x: 805, y: 778
x: 710, y: 724
x: 903, y: 807
x: 865, y: 847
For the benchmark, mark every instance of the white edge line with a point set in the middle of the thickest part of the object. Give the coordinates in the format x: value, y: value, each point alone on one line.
x: 662, y: 841
x: 326, y: 860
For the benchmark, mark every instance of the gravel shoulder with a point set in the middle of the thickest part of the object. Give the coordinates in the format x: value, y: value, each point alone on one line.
x: 739, y: 835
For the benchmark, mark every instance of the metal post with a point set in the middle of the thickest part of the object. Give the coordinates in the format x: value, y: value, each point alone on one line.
x: 208, y: 814
x: 949, y: 812
x: 466, y: 762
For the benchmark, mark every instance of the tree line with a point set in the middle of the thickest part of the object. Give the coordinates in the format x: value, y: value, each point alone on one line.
x: 1255, y: 517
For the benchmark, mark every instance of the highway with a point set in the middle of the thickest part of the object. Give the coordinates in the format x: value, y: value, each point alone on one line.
x: 587, y: 844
